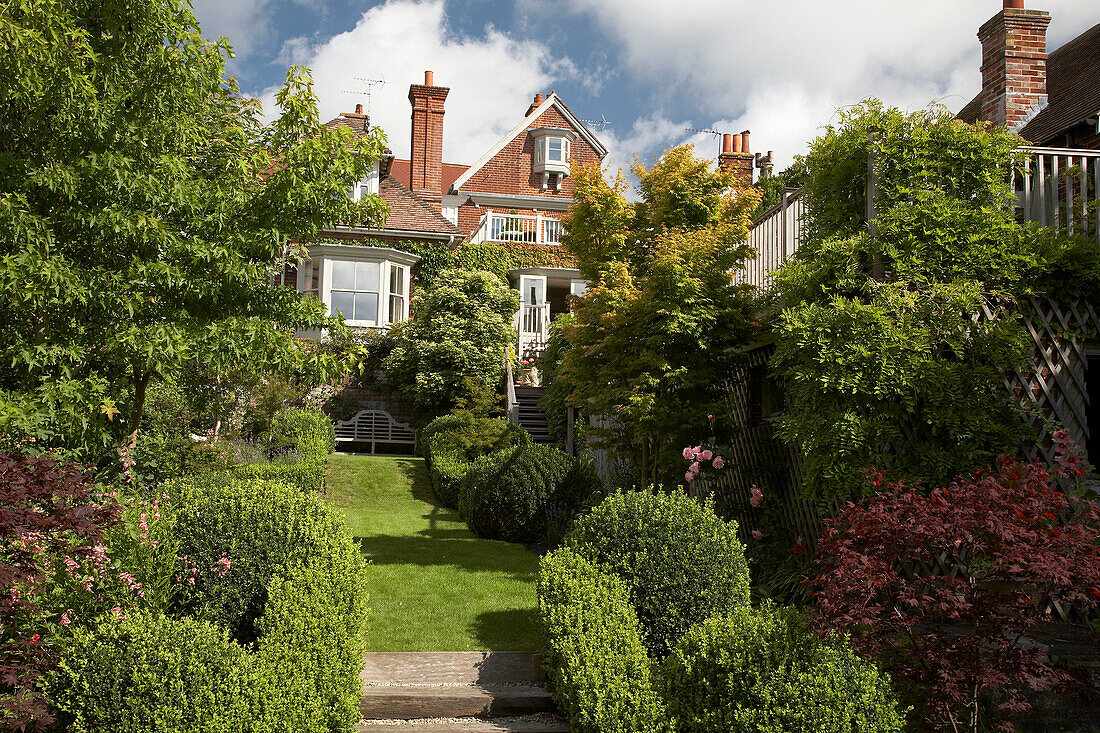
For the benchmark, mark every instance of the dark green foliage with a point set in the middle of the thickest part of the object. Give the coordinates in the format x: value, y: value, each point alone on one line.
x: 593, y: 652
x: 154, y: 673
x: 453, y: 442
x: 508, y: 495
x: 556, y: 392
x: 461, y: 329
x: 679, y: 561
x: 264, y: 528
x: 887, y: 366
x: 771, y: 188
x: 311, y: 639
x: 764, y: 671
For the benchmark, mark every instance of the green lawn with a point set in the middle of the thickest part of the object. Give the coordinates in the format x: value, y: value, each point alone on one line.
x: 434, y: 586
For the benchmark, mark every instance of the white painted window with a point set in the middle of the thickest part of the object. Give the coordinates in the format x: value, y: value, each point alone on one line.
x: 578, y: 287
x: 450, y: 213
x: 399, y: 283
x: 354, y: 291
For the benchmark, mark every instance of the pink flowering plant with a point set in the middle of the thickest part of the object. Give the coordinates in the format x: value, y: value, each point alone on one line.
x: 698, y: 457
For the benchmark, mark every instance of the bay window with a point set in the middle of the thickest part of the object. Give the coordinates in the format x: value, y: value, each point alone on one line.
x: 369, y: 286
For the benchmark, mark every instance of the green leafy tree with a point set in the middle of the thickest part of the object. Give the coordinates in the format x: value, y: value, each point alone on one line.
x: 455, y: 345
x: 654, y: 336
x: 896, y: 336
x: 143, y: 211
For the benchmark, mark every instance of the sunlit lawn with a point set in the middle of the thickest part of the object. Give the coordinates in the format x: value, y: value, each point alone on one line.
x: 434, y: 586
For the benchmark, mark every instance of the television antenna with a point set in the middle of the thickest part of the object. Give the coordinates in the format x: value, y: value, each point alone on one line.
x: 369, y: 91
x: 599, y: 124
x: 703, y: 132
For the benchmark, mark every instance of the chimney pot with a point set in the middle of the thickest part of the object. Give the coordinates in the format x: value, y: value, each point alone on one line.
x: 358, y: 109
x: 727, y: 143
x: 745, y: 141
x: 429, y: 79
x: 735, y: 143
x: 538, y: 99
x: 1014, y: 4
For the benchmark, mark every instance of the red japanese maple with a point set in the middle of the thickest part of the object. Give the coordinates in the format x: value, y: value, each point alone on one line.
x: 47, y: 512
x: 943, y: 588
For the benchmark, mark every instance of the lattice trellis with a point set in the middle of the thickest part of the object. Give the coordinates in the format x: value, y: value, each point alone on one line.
x: 1055, y: 387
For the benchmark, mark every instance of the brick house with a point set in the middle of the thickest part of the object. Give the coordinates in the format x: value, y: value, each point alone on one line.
x: 1052, y: 100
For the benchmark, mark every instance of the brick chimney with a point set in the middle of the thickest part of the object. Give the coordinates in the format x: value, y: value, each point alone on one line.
x: 426, y: 154
x: 1014, y: 64
x: 357, y: 119
x: 735, y: 156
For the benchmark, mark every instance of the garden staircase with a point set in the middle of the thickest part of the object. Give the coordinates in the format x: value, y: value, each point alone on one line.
x: 451, y: 692
x: 530, y: 414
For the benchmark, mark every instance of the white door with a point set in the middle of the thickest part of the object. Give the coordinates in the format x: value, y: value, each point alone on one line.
x: 534, y: 311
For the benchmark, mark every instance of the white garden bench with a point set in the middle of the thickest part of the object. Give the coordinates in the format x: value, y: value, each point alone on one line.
x: 374, y: 426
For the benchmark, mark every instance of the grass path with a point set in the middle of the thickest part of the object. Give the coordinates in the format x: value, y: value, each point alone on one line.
x: 434, y: 587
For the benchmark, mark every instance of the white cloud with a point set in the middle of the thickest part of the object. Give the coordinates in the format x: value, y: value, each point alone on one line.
x: 492, y: 77
x: 246, y: 23
x: 783, y: 70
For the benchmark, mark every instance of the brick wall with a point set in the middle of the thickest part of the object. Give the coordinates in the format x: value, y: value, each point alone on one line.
x: 426, y: 154
x: 1014, y: 62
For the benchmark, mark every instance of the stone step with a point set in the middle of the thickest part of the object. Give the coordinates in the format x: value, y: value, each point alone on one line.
x: 526, y: 724
x: 452, y: 668
x: 410, y: 702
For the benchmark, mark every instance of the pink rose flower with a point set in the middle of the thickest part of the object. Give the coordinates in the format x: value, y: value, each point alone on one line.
x: 687, y: 454
x: 719, y: 462
x: 706, y: 455
x: 757, y: 497
x: 694, y: 467
x: 689, y: 477
x: 65, y: 617
x: 757, y: 534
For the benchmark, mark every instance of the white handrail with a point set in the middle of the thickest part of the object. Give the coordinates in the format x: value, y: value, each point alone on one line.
x: 536, y: 228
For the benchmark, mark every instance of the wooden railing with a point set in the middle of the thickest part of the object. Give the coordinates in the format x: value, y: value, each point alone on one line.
x: 537, y: 229
x: 775, y: 236
x: 1058, y: 188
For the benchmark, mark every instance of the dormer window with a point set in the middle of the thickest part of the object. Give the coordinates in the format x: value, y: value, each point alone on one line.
x: 551, y: 154
x: 366, y: 187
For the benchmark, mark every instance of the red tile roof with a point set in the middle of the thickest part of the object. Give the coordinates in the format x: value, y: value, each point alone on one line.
x: 410, y: 212
x: 1073, y: 90
x: 401, y: 169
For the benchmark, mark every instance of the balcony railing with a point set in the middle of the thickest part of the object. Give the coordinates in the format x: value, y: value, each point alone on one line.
x: 1058, y: 188
x: 532, y: 329
x: 537, y: 229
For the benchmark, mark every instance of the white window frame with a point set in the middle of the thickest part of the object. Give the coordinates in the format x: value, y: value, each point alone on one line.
x: 322, y: 258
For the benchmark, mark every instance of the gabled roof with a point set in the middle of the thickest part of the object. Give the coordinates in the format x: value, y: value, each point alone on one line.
x: 1073, y: 90
x: 410, y: 212
x: 551, y: 101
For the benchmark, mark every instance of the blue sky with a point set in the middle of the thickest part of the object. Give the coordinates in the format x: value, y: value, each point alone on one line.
x: 652, y: 69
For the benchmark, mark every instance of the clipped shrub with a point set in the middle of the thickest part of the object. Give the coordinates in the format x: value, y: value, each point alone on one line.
x: 453, y: 442
x: 264, y: 528
x: 507, y: 495
x: 311, y: 641
x: 764, y: 671
x: 592, y: 649
x: 306, y: 430
x: 681, y: 564
x: 307, y: 474
x: 151, y: 672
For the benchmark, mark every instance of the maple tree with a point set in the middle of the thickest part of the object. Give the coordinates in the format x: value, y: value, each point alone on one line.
x: 944, y: 588
x: 48, y: 517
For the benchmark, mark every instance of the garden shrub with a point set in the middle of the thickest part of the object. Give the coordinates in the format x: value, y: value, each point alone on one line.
x: 507, y: 495
x: 307, y: 474
x: 306, y: 430
x: 311, y: 641
x: 679, y: 561
x: 151, y: 672
x: 764, y: 671
x: 264, y: 528
x: 592, y: 649
x: 942, y: 587
x: 455, y: 441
